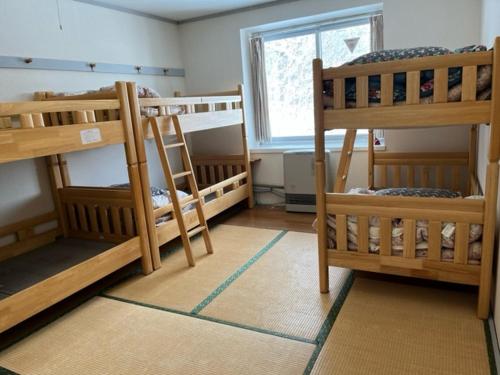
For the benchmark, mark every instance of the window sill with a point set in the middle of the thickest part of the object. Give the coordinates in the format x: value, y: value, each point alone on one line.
x: 333, y: 146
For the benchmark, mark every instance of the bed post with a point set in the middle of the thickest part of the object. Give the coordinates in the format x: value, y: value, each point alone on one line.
x: 320, y: 175
x: 471, y: 187
x: 371, y: 159
x: 135, y: 180
x: 55, y: 175
x: 135, y: 112
x: 246, y: 153
x: 491, y: 190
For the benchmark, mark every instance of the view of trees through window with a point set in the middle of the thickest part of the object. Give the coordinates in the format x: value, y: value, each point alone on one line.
x: 288, y: 63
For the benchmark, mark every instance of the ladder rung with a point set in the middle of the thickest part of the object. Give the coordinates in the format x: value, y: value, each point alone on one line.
x: 188, y: 202
x: 172, y: 145
x: 182, y: 174
x: 196, y: 230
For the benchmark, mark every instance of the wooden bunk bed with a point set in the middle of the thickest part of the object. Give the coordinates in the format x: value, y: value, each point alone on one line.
x: 225, y: 180
x: 441, y: 169
x: 91, y: 232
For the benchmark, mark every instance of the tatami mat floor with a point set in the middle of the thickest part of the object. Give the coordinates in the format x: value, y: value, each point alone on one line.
x: 254, y: 308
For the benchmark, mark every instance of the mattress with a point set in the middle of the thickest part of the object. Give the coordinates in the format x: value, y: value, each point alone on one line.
x: 484, y: 75
x: 30, y: 268
x: 421, y: 234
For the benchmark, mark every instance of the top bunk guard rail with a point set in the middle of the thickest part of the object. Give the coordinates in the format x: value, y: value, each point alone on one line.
x: 411, y: 113
x: 27, y: 130
x: 196, y: 113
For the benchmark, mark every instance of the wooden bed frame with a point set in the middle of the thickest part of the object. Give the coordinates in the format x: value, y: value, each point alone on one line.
x: 227, y: 178
x: 49, y: 129
x: 455, y: 170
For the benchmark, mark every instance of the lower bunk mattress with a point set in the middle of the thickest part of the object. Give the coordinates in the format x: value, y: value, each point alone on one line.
x: 25, y: 270
x: 422, y: 228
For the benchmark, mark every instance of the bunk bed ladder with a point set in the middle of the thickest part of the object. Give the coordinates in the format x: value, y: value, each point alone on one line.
x: 170, y: 178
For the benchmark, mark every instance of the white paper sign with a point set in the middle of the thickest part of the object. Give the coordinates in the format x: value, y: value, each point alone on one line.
x: 90, y: 136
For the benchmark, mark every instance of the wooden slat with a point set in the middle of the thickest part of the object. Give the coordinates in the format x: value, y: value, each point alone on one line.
x: 103, y: 216
x: 338, y: 93
x: 424, y: 176
x: 211, y: 173
x: 413, y: 87
x: 440, y: 85
x: 469, y: 83
x: 415, y: 64
x: 17, y: 108
x: 362, y: 92
x: 396, y: 172
x: 94, y: 224
x: 440, y: 176
x: 386, y: 89
x: 38, y: 121
x: 383, y: 175
x: 409, y: 116
x: 129, y: 221
x: 341, y: 221
x: 455, y: 178
x: 363, y: 234
x: 434, y: 252
x: 37, y: 142
x: 82, y: 216
x: 66, y: 118
x: 115, y: 217
x: 72, y: 216
x: 422, y: 158
x: 409, y: 238
x: 461, y: 243
x: 91, y: 116
x: 410, y: 176
x: 26, y: 121
x: 385, y: 236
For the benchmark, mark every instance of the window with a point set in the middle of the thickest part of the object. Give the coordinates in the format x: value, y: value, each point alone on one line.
x: 288, y: 70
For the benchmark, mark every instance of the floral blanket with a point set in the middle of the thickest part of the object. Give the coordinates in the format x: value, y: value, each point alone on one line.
x: 421, y: 235
x: 160, y: 198
x: 484, y: 74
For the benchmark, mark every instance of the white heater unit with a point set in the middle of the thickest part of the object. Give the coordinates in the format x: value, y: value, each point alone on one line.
x: 300, y: 190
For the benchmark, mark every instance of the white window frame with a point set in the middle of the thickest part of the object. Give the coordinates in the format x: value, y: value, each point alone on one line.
x: 307, y: 141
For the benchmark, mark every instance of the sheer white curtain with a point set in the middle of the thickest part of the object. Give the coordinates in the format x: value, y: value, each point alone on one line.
x: 259, y: 89
x: 377, y: 44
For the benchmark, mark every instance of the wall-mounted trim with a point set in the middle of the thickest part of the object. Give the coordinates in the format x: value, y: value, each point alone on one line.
x: 128, y: 10
x: 15, y: 62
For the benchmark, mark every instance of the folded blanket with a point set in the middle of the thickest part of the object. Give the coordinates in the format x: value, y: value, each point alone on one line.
x: 160, y: 198
x: 142, y: 92
x: 484, y: 74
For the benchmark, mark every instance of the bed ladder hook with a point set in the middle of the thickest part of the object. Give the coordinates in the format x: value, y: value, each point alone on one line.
x: 28, y: 60
x: 92, y: 66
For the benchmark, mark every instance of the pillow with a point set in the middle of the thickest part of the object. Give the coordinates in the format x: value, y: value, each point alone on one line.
x: 419, y: 192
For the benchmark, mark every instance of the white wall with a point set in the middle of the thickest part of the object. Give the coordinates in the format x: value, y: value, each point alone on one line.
x: 30, y: 28
x: 490, y: 29
x: 213, y: 60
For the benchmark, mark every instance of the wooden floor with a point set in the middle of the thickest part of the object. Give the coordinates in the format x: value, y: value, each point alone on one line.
x: 273, y: 217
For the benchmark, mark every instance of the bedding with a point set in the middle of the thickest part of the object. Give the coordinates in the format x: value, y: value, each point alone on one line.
x: 142, y: 92
x: 484, y: 74
x: 160, y: 198
x: 422, y: 229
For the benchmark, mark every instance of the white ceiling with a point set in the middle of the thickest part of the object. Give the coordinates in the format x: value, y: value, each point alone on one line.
x: 180, y: 10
